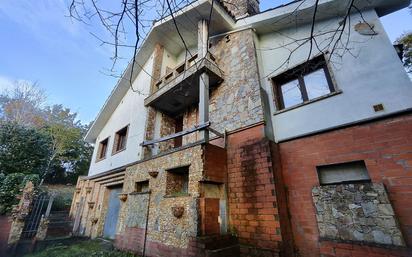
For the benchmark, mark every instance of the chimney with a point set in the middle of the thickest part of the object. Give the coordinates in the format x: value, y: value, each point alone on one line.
x: 241, y: 8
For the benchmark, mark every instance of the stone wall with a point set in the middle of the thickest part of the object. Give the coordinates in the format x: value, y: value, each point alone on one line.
x: 5, y: 226
x: 163, y: 227
x: 356, y: 212
x: 386, y: 148
x: 241, y: 8
x: 236, y: 102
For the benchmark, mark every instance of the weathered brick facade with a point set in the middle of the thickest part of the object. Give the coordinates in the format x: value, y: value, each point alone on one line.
x: 386, y: 148
x: 253, y: 203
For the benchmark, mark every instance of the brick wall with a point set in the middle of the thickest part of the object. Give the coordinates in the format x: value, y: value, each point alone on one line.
x: 5, y: 225
x: 215, y: 163
x: 131, y: 240
x: 253, y: 207
x: 386, y: 148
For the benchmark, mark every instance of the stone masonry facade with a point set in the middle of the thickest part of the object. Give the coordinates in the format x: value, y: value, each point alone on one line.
x: 356, y: 212
x: 242, y: 194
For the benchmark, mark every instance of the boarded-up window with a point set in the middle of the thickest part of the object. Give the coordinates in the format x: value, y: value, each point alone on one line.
x: 177, y: 181
x: 343, y: 173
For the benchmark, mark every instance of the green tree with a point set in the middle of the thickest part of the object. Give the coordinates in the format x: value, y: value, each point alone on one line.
x: 406, y: 41
x: 23, y: 149
x: 70, y: 154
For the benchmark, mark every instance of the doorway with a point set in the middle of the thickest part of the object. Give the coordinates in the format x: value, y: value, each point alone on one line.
x: 112, y: 215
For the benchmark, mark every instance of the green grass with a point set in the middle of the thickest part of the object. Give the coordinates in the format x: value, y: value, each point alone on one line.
x: 90, y: 248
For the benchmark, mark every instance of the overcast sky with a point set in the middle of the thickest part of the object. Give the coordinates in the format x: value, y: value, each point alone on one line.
x: 40, y: 43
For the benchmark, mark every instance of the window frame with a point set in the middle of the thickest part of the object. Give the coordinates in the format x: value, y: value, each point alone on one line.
x: 99, y: 156
x: 322, y: 170
x: 117, y: 138
x: 298, y: 73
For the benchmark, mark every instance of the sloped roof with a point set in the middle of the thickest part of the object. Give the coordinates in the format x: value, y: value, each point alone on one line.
x: 164, y: 32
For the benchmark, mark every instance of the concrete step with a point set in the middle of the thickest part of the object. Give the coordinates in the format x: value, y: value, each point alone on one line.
x: 230, y: 251
x: 217, y: 242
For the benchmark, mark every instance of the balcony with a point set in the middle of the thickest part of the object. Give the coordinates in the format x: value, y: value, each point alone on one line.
x: 179, y: 89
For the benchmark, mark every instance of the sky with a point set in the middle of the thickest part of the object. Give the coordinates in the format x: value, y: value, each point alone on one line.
x: 40, y: 43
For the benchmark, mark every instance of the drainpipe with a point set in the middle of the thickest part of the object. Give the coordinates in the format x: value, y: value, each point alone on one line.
x: 147, y: 224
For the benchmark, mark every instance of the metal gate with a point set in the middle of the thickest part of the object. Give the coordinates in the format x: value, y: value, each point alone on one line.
x: 41, y: 204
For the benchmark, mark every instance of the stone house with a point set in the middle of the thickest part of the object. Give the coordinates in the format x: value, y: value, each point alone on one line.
x: 233, y: 146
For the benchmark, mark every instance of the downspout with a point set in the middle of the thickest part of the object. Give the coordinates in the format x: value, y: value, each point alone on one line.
x: 147, y: 224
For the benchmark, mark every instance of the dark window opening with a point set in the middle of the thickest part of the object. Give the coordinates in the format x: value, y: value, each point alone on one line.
x: 102, y: 150
x: 142, y: 186
x: 304, y: 83
x: 181, y: 68
x: 343, y: 173
x: 177, y: 181
x: 178, y: 141
x: 120, y: 140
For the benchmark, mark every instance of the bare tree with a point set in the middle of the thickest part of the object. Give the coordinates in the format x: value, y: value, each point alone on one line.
x: 127, y: 24
x: 22, y: 103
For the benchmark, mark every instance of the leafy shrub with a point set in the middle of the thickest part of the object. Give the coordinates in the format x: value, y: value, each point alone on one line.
x: 61, y: 202
x: 11, y: 186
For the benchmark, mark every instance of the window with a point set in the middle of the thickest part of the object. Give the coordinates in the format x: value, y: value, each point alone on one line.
x: 142, y: 186
x: 177, y: 181
x: 102, y: 150
x: 304, y: 83
x: 120, y: 140
x: 350, y: 172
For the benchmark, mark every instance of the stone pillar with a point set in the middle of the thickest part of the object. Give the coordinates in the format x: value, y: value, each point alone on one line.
x: 202, y: 46
x: 19, y: 214
x: 151, y: 115
x: 42, y: 229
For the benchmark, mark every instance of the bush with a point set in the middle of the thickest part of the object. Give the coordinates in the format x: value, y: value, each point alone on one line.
x: 11, y: 186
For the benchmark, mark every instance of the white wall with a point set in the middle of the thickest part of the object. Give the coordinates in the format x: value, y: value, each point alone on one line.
x: 371, y: 74
x: 131, y: 111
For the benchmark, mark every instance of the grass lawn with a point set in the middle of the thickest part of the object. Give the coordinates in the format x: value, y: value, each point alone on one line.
x: 89, y: 248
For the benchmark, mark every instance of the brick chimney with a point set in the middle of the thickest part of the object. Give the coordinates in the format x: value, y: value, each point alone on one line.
x: 241, y: 8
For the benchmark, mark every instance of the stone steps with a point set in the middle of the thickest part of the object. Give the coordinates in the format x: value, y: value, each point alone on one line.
x: 231, y: 251
x: 219, y: 246
x: 60, y: 224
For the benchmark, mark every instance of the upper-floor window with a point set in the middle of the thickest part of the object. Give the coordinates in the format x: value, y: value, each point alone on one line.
x: 102, y: 150
x: 304, y: 83
x: 120, y: 140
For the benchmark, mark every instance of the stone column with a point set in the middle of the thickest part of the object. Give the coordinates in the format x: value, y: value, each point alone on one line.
x: 19, y: 214
x: 202, y: 49
x: 151, y: 112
